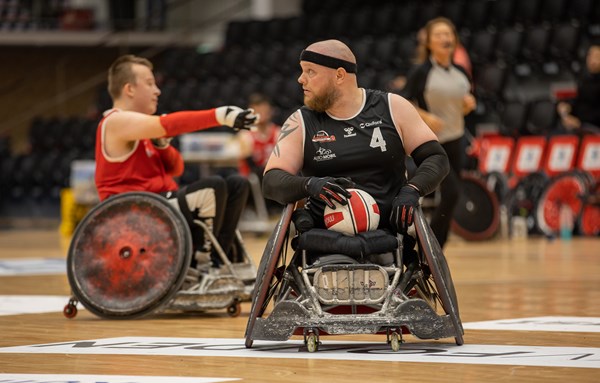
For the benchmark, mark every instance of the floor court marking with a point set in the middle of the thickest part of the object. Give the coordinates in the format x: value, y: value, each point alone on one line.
x: 546, y: 323
x: 32, y: 304
x: 574, y: 357
x: 54, y: 378
x: 32, y: 266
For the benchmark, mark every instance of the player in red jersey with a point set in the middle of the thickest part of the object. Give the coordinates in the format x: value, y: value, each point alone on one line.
x: 133, y: 154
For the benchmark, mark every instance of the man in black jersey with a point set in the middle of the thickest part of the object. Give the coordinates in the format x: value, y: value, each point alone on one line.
x: 346, y: 136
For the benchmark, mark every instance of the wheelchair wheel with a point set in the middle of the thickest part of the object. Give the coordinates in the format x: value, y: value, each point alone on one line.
x: 567, y: 189
x: 523, y: 198
x: 129, y: 255
x: 440, y: 271
x: 477, y: 213
x: 266, y: 271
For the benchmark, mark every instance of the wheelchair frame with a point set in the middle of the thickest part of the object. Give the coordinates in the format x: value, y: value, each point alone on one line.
x: 108, y: 250
x: 390, y: 314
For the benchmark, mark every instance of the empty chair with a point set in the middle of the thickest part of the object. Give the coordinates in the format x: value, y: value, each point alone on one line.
x: 541, y: 117
x: 383, y: 20
x: 476, y: 15
x: 579, y: 11
x: 564, y: 42
x: 454, y: 10
x: 481, y: 47
x: 535, y: 45
x: 501, y: 13
x: 527, y: 12
x: 509, y: 45
x: 553, y: 11
x: 512, y: 118
x: 490, y: 81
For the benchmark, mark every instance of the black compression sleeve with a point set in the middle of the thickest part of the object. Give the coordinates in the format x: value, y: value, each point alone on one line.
x: 432, y: 166
x: 283, y: 187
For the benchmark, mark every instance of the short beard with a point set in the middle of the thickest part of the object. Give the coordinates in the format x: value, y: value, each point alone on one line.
x: 322, y: 103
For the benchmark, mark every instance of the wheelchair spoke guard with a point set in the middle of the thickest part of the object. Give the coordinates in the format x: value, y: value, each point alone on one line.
x: 440, y: 271
x: 129, y: 255
x: 266, y: 269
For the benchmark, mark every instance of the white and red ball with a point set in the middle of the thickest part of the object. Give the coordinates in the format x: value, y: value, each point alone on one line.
x: 359, y: 215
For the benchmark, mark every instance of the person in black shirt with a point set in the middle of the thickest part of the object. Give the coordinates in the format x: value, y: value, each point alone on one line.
x: 583, y: 112
x: 346, y: 136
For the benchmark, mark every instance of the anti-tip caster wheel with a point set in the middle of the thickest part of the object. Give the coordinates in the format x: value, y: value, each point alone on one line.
x: 70, y: 310
x: 312, y: 342
x: 395, y: 341
x: 234, y: 310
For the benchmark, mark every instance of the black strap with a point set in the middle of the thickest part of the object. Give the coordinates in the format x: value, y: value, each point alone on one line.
x: 328, y: 61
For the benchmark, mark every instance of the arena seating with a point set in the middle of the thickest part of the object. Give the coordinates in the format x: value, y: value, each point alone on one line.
x: 518, y: 50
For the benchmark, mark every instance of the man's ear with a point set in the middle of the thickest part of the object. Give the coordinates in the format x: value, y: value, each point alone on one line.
x: 340, y: 74
x: 128, y: 89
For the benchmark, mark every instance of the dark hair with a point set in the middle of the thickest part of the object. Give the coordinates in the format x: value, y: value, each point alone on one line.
x: 258, y: 98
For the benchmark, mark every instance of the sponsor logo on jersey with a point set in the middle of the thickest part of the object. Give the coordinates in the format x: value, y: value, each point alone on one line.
x: 349, y: 131
x: 369, y: 124
x: 323, y: 136
x: 324, y: 155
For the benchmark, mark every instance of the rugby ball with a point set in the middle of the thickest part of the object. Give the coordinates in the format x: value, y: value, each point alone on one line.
x: 359, y: 215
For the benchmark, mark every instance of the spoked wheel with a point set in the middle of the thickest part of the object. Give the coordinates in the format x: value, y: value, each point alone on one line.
x: 477, y: 213
x: 589, y: 220
x: 440, y: 271
x: 266, y: 271
x: 523, y: 198
x: 129, y: 255
x: 568, y: 191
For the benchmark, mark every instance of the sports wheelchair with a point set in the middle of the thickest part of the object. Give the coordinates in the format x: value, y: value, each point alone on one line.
x: 355, y: 290
x: 131, y: 254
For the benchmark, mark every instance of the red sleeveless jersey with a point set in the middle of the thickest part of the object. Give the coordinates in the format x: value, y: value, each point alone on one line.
x: 140, y: 170
x: 262, y: 148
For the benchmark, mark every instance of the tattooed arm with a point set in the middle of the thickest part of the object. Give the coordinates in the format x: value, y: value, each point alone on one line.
x: 288, y: 153
x: 281, y: 182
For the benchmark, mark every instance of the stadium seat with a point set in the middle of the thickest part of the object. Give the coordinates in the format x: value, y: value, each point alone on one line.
x: 501, y: 13
x: 476, y: 15
x: 512, y: 118
x: 541, y: 118
x: 509, y: 45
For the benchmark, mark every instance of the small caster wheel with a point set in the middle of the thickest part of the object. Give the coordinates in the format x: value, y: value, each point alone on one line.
x: 395, y: 341
x: 70, y: 310
x: 312, y: 342
x: 234, y: 310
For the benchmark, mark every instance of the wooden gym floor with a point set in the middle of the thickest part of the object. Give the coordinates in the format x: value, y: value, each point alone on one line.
x: 495, y: 280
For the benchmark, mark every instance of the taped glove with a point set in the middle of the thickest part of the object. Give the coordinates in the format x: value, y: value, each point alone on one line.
x: 329, y: 189
x: 403, y: 208
x: 235, y: 117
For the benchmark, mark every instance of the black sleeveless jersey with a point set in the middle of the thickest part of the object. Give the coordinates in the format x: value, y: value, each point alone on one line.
x: 365, y: 148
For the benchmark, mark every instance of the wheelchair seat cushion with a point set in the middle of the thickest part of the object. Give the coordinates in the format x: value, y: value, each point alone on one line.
x: 321, y: 241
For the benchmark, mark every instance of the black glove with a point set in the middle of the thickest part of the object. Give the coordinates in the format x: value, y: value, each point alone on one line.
x: 329, y: 189
x: 235, y: 117
x: 403, y: 207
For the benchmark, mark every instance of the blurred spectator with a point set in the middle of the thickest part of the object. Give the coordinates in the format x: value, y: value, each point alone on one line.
x: 459, y: 57
x: 583, y: 112
x: 259, y: 144
x: 441, y: 91
x: 263, y: 139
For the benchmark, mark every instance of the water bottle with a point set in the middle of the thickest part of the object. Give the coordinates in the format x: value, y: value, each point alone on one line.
x: 566, y: 222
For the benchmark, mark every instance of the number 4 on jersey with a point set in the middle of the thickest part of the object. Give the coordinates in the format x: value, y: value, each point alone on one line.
x: 377, y: 140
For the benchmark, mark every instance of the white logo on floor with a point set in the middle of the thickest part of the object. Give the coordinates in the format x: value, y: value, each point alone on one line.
x: 582, y: 357
x: 557, y: 324
x: 46, y: 378
x: 31, y: 304
x: 32, y: 266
